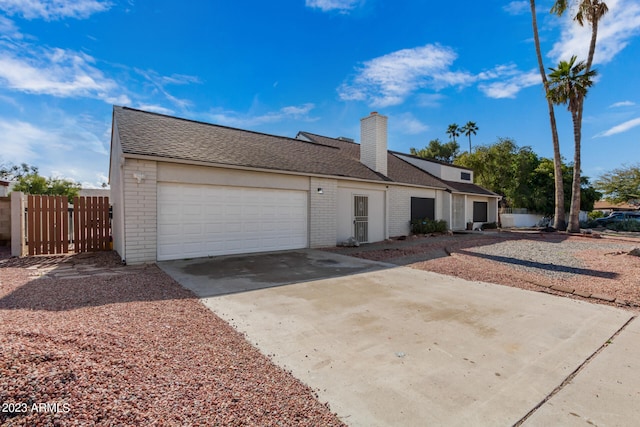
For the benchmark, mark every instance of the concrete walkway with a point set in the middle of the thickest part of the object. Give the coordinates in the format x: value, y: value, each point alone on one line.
x: 390, y: 346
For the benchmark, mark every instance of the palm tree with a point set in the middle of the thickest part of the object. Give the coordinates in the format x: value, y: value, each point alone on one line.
x: 453, y: 131
x: 568, y: 85
x: 559, y: 214
x: 590, y: 11
x: 469, y: 129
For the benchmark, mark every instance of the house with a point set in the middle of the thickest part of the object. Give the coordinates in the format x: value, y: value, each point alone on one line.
x: 185, y: 189
x: 5, y: 188
x: 607, y: 207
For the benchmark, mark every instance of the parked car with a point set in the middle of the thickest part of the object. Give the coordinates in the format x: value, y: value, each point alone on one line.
x: 619, y: 216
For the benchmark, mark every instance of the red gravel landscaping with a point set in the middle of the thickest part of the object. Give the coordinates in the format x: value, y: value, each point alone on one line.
x: 134, y: 349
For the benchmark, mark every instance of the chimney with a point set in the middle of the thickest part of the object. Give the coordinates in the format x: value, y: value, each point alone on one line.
x: 373, y: 142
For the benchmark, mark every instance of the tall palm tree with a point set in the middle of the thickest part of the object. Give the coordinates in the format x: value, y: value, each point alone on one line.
x: 559, y: 221
x: 568, y: 85
x: 453, y: 131
x: 590, y: 11
x: 469, y: 129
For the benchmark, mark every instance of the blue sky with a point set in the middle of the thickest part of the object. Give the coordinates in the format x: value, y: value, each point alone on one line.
x: 313, y: 65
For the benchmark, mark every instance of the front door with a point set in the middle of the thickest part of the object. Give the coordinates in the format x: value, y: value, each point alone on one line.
x: 361, y: 218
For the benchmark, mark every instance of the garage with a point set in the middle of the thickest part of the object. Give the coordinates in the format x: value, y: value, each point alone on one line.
x: 209, y: 220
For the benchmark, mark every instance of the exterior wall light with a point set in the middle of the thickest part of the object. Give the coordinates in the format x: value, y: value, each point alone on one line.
x: 139, y: 176
x: 320, y: 191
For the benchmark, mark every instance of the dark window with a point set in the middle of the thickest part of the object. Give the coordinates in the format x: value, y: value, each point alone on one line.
x: 480, y: 211
x: 423, y: 207
x: 465, y: 176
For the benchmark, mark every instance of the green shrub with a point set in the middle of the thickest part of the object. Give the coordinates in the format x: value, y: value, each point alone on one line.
x: 595, y: 215
x: 626, y: 225
x: 426, y: 225
x: 489, y: 226
x: 592, y: 223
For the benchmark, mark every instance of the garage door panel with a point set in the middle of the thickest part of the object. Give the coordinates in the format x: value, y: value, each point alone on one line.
x: 204, y: 220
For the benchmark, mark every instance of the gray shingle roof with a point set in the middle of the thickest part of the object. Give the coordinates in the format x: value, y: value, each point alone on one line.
x: 156, y: 135
x: 397, y: 169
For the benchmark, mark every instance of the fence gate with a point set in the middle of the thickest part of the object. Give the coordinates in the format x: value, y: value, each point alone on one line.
x: 47, y: 225
x: 91, y: 224
x: 54, y: 228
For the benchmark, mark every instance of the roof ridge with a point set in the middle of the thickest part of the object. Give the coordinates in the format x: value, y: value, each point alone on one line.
x: 217, y: 125
x: 430, y: 160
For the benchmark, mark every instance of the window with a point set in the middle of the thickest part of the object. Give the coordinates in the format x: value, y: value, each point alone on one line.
x: 480, y: 211
x: 423, y: 207
x: 466, y: 176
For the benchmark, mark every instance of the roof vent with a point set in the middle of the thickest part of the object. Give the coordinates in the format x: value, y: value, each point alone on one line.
x: 344, y: 138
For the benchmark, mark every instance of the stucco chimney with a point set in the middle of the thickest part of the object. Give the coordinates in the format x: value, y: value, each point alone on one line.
x: 373, y: 142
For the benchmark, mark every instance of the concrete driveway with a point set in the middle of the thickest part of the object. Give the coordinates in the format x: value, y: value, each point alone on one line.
x: 390, y: 346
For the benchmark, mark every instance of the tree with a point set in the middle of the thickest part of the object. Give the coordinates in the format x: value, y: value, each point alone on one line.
x: 568, y: 85
x: 504, y: 168
x: 33, y: 183
x: 590, y: 11
x: 436, y: 150
x: 11, y: 172
x: 621, y: 185
x: 469, y: 129
x: 453, y: 131
x: 559, y: 211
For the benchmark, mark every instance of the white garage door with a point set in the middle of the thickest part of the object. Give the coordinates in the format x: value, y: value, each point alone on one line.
x: 204, y: 220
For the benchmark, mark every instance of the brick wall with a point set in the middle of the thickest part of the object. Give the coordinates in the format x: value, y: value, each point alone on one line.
x: 400, y: 207
x: 140, y: 211
x: 323, y: 221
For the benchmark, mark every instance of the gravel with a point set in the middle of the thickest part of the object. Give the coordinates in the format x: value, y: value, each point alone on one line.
x: 554, y: 259
x: 134, y: 349
x: 595, y: 267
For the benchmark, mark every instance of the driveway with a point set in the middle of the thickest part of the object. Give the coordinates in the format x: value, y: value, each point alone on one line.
x: 386, y: 345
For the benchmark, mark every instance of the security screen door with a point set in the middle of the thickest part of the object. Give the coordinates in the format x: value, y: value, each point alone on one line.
x: 361, y: 218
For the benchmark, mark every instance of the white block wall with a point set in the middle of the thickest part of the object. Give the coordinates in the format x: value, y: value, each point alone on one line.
x: 400, y: 207
x: 323, y: 209
x: 373, y: 142
x: 140, y: 211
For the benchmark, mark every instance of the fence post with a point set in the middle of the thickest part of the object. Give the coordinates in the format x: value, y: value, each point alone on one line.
x: 17, y: 224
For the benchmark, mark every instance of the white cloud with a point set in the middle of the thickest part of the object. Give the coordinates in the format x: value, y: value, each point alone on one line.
x: 69, y: 146
x: 429, y: 99
x: 390, y: 79
x: 8, y: 28
x: 159, y: 84
x: 509, y: 87
x: 155, y: 109
x: 615, y: 29
x: 623, y: 127
x: 20, y: 141
x: 408, y: 124
x: 517, y: 7
x: 57, y: 72
x: 52, y: 10
x: 622, y: 104
x: 234, y: 119
x: 329, y: 5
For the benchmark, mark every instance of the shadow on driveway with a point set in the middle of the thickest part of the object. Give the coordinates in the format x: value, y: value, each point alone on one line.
x: 208, y: 277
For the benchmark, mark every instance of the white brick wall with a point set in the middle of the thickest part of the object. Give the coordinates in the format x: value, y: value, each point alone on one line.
x: 400, y: 207
x: 140, y: 211
x: 323, y: 208
x: 373, y: 142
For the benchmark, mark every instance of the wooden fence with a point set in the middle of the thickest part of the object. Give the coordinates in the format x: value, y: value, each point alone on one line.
x: 54, y: 228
